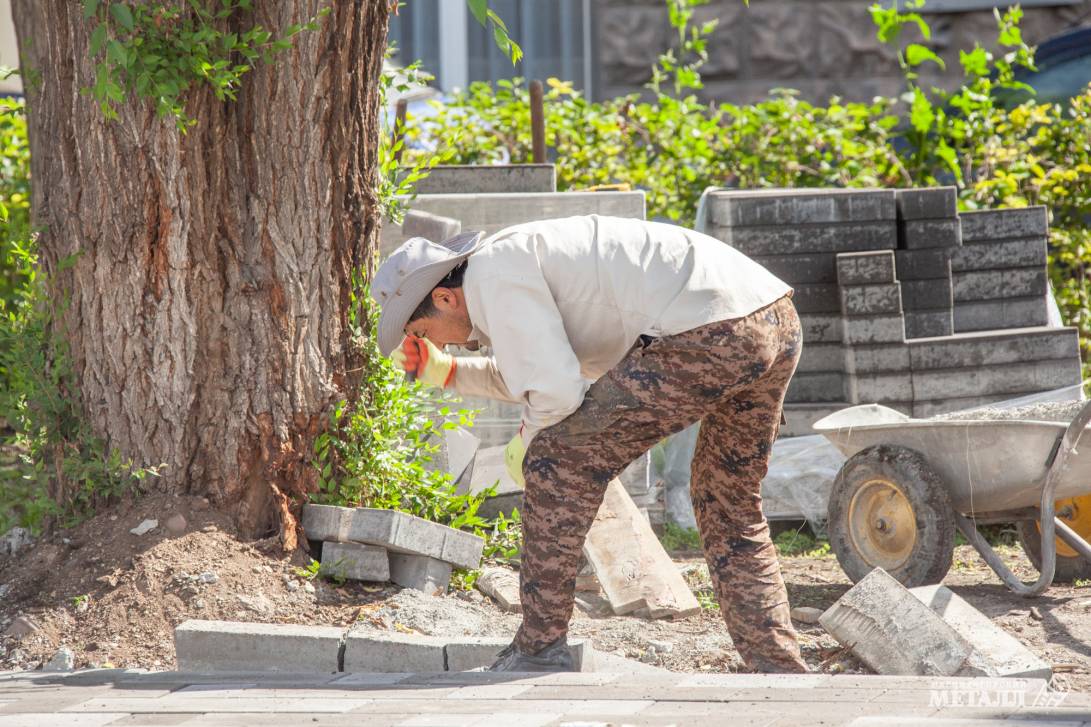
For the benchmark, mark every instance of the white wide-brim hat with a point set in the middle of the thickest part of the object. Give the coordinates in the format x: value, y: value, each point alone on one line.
x: 408, y: 276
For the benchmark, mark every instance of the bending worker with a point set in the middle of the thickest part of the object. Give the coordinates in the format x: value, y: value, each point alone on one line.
x: 613, y: 334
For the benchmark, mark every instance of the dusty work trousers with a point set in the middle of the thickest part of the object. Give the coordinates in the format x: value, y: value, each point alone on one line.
x: 731, y: 376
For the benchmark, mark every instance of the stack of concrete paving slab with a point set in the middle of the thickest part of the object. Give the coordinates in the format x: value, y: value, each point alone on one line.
x: 903, y: 300
x: 383, y: 545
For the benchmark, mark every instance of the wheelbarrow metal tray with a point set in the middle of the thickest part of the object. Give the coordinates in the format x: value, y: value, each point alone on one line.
x: 989, y: 466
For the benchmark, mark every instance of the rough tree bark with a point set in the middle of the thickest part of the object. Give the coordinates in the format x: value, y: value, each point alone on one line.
x: 207, y: 314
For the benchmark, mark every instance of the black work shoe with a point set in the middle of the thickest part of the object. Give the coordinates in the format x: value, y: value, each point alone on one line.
x: 555, y: 657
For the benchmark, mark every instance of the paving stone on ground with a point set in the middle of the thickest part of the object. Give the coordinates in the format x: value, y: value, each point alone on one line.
x: 355, y: 561
x: 420, y: 572
x: 374, y: 651
x: 219, y: 646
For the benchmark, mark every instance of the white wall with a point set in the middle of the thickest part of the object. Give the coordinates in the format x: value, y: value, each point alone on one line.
x: 9, y: 51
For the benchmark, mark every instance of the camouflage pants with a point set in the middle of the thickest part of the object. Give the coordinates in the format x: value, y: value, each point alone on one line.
x: 731, y: 376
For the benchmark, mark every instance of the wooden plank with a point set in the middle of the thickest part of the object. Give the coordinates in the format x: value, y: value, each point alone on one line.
x: 634, y: 570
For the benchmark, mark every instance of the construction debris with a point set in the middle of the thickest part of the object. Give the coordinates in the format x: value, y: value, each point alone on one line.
x: 501, y: 585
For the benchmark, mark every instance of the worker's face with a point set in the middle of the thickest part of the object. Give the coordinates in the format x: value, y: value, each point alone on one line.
x: 450, y: 325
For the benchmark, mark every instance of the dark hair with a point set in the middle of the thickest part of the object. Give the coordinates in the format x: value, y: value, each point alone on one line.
x: 453, y: 279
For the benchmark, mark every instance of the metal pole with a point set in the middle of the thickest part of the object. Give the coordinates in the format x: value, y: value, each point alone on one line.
x: 537, y: 122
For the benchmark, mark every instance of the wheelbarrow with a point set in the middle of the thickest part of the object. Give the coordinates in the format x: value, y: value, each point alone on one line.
x: 909, y: 483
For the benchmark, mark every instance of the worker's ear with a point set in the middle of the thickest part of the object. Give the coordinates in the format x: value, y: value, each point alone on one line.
x: 444, y: 299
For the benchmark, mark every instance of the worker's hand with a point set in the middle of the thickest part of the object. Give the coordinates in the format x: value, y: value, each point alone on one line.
x: 420, y: 357
x: 513, y: 458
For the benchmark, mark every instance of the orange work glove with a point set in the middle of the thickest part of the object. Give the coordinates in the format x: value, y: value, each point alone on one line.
x: 422, y: 359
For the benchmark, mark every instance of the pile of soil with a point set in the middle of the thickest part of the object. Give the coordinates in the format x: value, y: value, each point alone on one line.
x: 113, y: 598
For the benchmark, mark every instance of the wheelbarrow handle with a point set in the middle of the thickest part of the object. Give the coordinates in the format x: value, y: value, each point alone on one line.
x: 1049, y: 525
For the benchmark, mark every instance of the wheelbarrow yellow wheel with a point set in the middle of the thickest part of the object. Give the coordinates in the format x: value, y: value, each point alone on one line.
x: 1075, y: 512
x: 890, y: 510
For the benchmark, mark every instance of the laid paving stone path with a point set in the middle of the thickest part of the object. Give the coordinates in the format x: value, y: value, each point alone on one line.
x: 464, y: 699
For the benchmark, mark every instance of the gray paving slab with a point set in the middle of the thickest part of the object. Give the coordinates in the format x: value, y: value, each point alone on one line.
x: 1001, y: 314
x: 994, y: 254
x: 809, y: 239
x: 928, y: 294
x: 865, y: 268
x: 926, y: 202
x: 63, y: 720
x: 356, y: 561
x: 822, y: 357
x: 816, y: 387
x: 816, y: 298
x: 985, y: 225
x: 429, y: 575
x: 880, y: 388
x: 929, y: 323
x: 994, y: 347
x: 866, y: 300
x: 923, y: 234
x: 418, y: 223
x: 225, y: 646
x: 1000, y: 284
x: 822, y: 328
x: 154, y: 720
x: 1014, y: 378
x: 488, y: 179
x: 179, y: 705
x: 797, y: 206
x: 874, y: 329
x: 924, y: 264
x: 801, y: 269
x: 374, y: 651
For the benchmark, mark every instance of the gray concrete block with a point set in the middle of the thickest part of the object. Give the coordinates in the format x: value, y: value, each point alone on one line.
x: 382, y: 652
x: 924, y: 264
x: 997, y: 254
x: 921, y: 234
x: 1000, y: 284
x: 876, y: 358
x: 819, y: 267
x: 1004, y: 655
x: 926, y: 203
x: 1013, y: 378
x: 929, y: 323
x: 865, y: 268
x: 891, y: 631
x: 809, y: 239
x: 822, y: 328
x: 356, y: 562
x: 493, y: 212
x: 816, y: 298
x: 880, y: 388
x: 1004, y: 224
x: 821, y: 357
x: 488, y: 179
x: 502, y: 586
x: 988, y: 315
x: 207, y: 647
x: 396, y: 531
x: 429, y: 226
x: 874, y: 329
x: 971, y: 350
x: 933, y: 294
x: 823, y: 386
x: 867, y: 300
x: 799, y: 206
x: 420, y: 573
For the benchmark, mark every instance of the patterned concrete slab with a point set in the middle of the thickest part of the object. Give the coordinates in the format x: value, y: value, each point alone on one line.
x: 114, y: 698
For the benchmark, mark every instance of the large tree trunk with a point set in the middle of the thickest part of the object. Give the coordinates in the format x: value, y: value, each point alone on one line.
x: 207, y: 306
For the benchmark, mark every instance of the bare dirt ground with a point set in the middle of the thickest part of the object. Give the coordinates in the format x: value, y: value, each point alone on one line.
x: 113, y: 598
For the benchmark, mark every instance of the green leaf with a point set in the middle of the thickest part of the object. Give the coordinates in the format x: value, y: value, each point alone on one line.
x: 922, y: 114
x: 916, y: 54
x: 122, y: 15
x: 116, y: 52
x: 90, y: 8
x: 98, y: 37
x: 480, y: 10
x: 976, y: 62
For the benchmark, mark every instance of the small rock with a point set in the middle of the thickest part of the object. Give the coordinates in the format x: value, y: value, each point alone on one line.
x: 649, y: 657
x: 1035, y: 613
x: 176, y: 524
x: 208, y: 577
x: 145, y: 527
x: 15, y: 540
x: 199, y: 603
x: 258, y: 604
x: 203, y: 503
x: 5, y: 589
x: 661, y: 647
x: 309, y: 587
x: 292, y: 586
x: 255, y: 569
x: 63, y: 660
x: 22, y: 626
x: 806, y: 614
